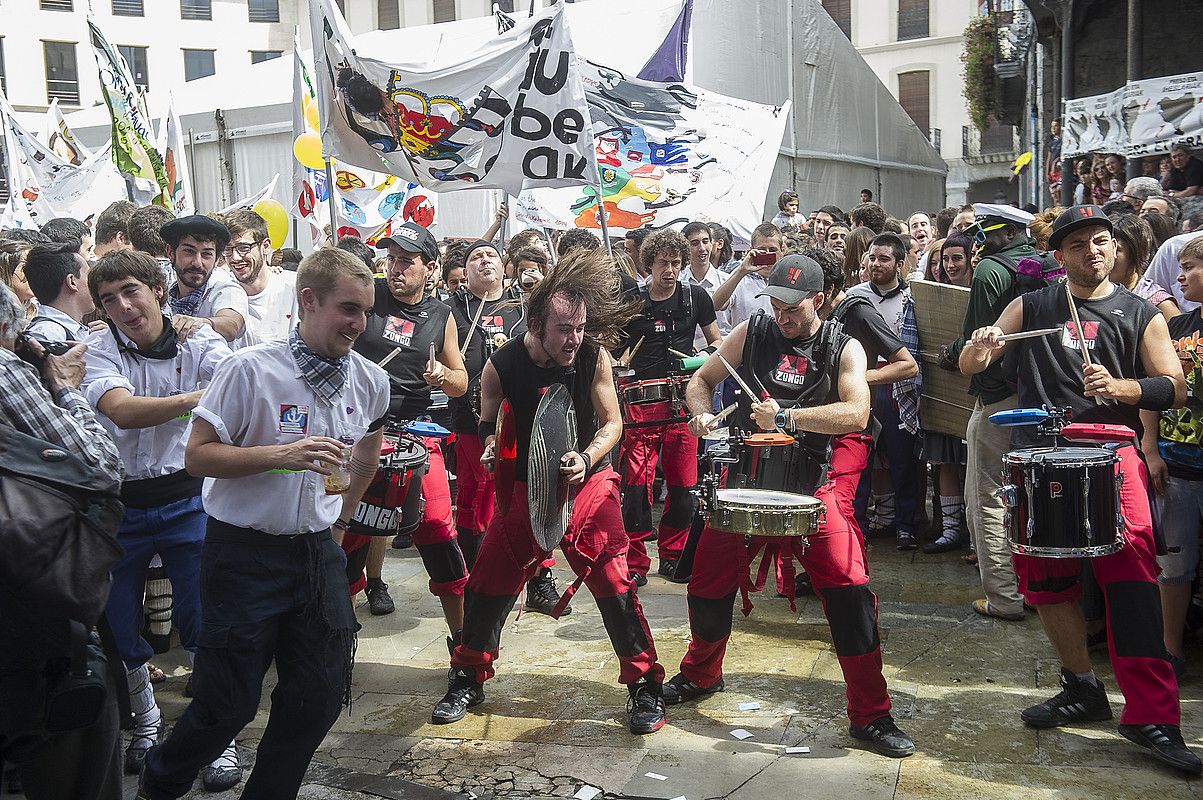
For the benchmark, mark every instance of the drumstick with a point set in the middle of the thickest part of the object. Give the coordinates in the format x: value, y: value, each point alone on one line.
x: 678, y: 353
x: 722, y: 415
x: 472, y: 329
x: 731, y: 371
x: 1010, y: 337
x: 382, y: 362
x: 1079, y: 333
x: 432, y: 355
x: 631, y: 353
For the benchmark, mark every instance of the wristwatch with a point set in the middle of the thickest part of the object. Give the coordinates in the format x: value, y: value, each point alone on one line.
x: 780, y: 420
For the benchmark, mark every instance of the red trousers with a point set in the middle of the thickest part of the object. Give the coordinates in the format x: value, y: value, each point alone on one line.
x: 1128, y: 579
x: 474, y: 492
x: 677, y: 451
x: 835, y: 560
x: 595, y: 547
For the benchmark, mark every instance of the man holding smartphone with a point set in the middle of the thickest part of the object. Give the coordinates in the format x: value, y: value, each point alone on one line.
x: 738, y: 297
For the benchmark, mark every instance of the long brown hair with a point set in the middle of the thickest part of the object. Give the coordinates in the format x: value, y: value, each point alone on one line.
x: 588, y: 277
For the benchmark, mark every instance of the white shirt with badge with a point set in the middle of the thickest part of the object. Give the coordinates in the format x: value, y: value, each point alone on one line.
x: 157, y: 451
x: 259, y: 397
x: 271, y: 314
x: 52, y: 325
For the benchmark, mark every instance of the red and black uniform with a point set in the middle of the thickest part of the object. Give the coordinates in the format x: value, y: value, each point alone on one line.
x: 414, y: 328
x: 798, y: 373
x: 662, y: 324
x: 1050, y: 372
x: 595, y: 545
x: 499, y: 321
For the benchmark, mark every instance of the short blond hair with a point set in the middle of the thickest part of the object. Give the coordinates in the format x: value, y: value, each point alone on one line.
x: 1192, y: 249
x: 321, y: 269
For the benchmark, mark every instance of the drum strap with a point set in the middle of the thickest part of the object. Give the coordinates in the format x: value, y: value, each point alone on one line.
x: 768, y: 560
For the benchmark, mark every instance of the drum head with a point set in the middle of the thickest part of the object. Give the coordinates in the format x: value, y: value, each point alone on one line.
x: 552, y: 435
x: 1075, y: 456
x: 758, y: 499
x: 409, y: 453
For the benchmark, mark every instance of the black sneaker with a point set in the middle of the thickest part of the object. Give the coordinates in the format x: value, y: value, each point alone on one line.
x: 463, y: 692
x: 1165, y: 744
x: 680, y: 689
x: 1078, y: 701
x: 646, y: 707
x: 802, y: 585
x: 143, y: 738
x: 668, y: 571
x: 541, y: 594
x: 403, y: 540
x: 884, y: 737
x: 639, y: 578
x: 946, y: 543
x: 224, y: 773
x: 906, y: 541
x: 379, y: 601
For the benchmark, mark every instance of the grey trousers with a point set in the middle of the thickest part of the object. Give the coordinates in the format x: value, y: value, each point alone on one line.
x: 984, y: 508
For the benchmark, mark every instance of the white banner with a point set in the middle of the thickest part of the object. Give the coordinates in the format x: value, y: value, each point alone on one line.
x: 175, y: 164
x: 250, y: 201
x: 668, y: 153
x: 59, y: 138
x: 1093, y: 125
x: 1162, y: 112
x: 507, y: 114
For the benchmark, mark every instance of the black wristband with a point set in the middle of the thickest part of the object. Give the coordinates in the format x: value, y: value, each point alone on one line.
x: 1156, y: 394
x: 486, y: 428
x: 588, y: 461
x: 709, y: 349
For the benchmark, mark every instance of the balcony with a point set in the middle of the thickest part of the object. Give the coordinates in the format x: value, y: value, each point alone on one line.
x: 998, y: 145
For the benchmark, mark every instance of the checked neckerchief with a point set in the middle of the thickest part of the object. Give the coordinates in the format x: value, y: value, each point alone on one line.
x: 187, y: 304
x: 325, y: 376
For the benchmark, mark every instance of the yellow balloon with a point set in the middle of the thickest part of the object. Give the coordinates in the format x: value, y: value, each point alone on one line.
x: 276, y: 217
x: 308, y: 150
x: 309, y: 110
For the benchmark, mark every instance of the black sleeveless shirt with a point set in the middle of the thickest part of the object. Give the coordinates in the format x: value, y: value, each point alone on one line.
x: 503, y: 317
x: 413, y: 328
x: 666, y: 323
x: 523, y: 383
x: 1050, y: 367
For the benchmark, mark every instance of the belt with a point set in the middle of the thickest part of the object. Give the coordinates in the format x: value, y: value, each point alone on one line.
x: 220, y: 532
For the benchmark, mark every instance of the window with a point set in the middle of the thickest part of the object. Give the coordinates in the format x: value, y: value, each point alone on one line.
x: 263, y: 10
x: 998, y: 138
x: 505, y: 5
x: 914, y: 95
x: 258, y: 56
x: 135, y: 58
x: 196, y: 9
x: 388, y: 14
x: 912, y: 19
x: 198, y: 64
x: 62, y: 75
x: 444, y: 10
x: 840, y: 12
x: 128, y: 8
x: 56, y: 5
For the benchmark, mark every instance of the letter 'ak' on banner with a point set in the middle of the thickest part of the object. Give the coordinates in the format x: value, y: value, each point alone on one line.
x: 509, y: 114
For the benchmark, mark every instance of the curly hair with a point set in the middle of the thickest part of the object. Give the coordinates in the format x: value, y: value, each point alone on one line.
x: 665, y: 241
x: 589, y: 278
x: 577, y: 238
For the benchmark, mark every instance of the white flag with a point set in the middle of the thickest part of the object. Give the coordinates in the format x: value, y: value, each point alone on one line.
x: 249, y: 202
x: 175, y: 164
x: 61, y: 140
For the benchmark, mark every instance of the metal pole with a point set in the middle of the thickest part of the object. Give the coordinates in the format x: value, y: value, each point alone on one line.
x: 330, y: 202
x: 1135, y: 56
x: 192, y: 162
x: 1067, y: 92
x: 601, y: 210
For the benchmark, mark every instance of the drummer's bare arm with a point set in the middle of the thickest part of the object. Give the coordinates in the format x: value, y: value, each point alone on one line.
x: 711, y: 333
x: 1158, y: 357
x: 900, y: 366
x: 454, y: 375
x: 851, y: 413
x: 365, y: 458
x: 605, y: 403
x: 490, y: 402
x: 983, y: 348
x: 699, y: 394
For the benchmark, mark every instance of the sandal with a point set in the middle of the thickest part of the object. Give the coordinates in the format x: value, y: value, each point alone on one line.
x: 156, y: 675
x: 982, y: 606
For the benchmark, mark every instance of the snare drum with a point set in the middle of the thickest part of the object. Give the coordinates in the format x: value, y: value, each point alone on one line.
x: 655, y: 390
x: 760, y: 512
x: 392, y: 502
x: 773, y: 461
x: 1062, y: 502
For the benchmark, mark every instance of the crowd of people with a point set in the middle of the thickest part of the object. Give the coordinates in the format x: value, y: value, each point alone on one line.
x: 246, y: 399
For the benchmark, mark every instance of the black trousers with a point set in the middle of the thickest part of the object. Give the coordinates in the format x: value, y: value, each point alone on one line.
x: 264, y: 598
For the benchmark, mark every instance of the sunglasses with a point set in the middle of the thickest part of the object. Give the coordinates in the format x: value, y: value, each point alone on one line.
x: 979, y: 235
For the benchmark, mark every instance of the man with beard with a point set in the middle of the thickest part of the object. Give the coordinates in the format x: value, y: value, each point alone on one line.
x: 406, y: 325
x: 1132, y: 366
x: 738, y: 298
x: 814, y: 376
x: 486, y: 316
x: 202, y: 295
x: 271, y: 296
x: 573, y: 316
x: 837, y: 234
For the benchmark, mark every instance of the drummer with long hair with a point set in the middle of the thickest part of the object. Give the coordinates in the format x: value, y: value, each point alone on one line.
x: 814, y: 393
x: 1111, y: 357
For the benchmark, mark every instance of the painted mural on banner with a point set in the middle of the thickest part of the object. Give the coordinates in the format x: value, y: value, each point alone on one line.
x: 667, y: 153
x: 1093, y: 125
x: 505, y: 115
x: 1145, y: 117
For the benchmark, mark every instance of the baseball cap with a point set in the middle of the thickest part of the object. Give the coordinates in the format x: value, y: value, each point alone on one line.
x: 198, y: 225
x: 478, y: 244
x: 1075, y: 217
x: 412, y: 238
x: 793, y: 279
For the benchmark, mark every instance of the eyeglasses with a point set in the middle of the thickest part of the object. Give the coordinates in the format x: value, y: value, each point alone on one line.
x: 242, y: 248
x: 979, y: 235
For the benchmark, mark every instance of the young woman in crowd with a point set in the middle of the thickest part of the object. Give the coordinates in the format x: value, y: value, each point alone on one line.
x: 1133, y: 243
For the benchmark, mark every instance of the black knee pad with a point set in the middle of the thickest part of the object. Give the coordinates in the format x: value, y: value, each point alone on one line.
x: 469, y: 545
x: 444, y: 561
x: 852, y: 617
x: 623, y: 625
x: 710, y: 619
x: 1134, y: 614
x: 636, y: 510
x: 484, y: 615
x: 678, y: 511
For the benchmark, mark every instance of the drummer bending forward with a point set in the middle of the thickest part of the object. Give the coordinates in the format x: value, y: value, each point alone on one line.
x: 1133, y: 363
x: 816, y: 376
x: 570, y: 313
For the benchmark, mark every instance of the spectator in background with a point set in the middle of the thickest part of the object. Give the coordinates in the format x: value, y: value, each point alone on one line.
x: 837, y: 235
x: 855, y: 248
x: 1041, y: 227
x: 632, y: 241
x: 825, y: 217
x: 112, y: 228
x: 1138, y: 190
x: 12, y: 274
x: 577, y: 237
x: 921, y: 229
x: 1160, y: 204
x: 290, y: 258
x: 787, y: 203
x: 738, y: 298
x: 66, y: 229
x: 1052, y: 160
x: 143, y: 229
x: 530, y: 265
x: 1133, y: 245
x: 1084, y: 186
x: 1116, y: 170
x: 453, y: 277
x: 1192, y: 222
x: 1100, y: 186
x: 943, y: 221
x: 1185, y: 178
x: 868, y: 215
x: 866, y: 196
x: 358, y: 248
x: 722, y: 255
x: 1162, y: 226
x: 1148, y: 166
x: 58, y: 276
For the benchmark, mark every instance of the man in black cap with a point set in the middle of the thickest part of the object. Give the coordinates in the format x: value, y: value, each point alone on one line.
x: 813, y: 378
x: 406, y: 320
x: 201, y: 295
x: 1129, y: 364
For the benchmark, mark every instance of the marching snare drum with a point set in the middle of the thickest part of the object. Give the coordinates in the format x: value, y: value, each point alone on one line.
x: 392, y: 502
x: 655, y: 390
x: 761, y: 512
x: 1062, y: 502
x: 773, y: 461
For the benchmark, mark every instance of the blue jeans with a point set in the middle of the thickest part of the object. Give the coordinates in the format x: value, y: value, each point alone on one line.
x: 176, y: 532
x: 898, y: 445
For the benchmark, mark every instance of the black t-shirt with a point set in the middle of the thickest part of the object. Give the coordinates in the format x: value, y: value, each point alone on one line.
x: 864, y: 323
x: 1180, y: 179
x: 664, y: 324
x: 1050, y: 367
x: 393, y: 324
x: 500, y: 320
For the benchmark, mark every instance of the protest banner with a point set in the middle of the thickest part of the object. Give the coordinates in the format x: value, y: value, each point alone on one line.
x: 178, y: 188
x: 59, y: 138
x: 1093, y: 124
x: 1161, y: 112
x: 945, y: 403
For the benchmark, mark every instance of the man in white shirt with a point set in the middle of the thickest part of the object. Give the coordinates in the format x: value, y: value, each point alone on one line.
x: 58, y: 276
x: 1164, y: 268
x: 144, y: 381
x: 738, y: 297
x: 202, y: 295
x: 271, y: 296
x: 700, y: 271
x: 267, y: 436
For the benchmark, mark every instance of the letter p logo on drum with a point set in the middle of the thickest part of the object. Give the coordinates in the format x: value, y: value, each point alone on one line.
x: 1055, y: 489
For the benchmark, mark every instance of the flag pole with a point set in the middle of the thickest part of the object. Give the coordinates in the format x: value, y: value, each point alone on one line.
x: 601, y: 209
x: 330, y: 201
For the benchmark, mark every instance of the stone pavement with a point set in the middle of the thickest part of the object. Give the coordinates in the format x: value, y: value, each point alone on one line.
x: 555, y: 717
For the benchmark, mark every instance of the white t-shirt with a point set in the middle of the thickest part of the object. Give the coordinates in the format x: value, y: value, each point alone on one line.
x: 1164, y: 268
x: 150, y: 452
x: 710, y: 282
x: 259, y: 397
x: 223, y: 291
x: 271, y: 314
x: 744, y: 303
x: 52, y: 325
